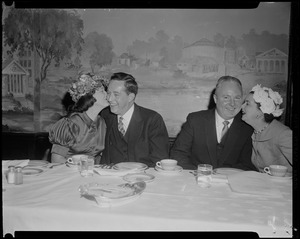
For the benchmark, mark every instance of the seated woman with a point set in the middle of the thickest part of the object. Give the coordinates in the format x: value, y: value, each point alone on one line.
x: 272, y: 140
x: 83, y: 130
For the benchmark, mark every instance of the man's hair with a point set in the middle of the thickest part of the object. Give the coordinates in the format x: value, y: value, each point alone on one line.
x: 226, y: 79
x: 130, y: 84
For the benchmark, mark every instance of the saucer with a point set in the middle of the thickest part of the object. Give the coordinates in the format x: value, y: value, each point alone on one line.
x: 227, y: 171
x: 138, y: 177
x: 31, y: 171
x: 287, y: 177
x: 130, y: 165
x: 177, y: 170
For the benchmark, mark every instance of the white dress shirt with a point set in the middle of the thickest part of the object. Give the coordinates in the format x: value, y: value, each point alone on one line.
x: 220, y: 125
x: 127, y: 117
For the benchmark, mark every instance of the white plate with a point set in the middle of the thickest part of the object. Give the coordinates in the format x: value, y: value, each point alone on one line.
x: 138, y: 177
x: 130, y: 165
x: 287, y: 177
x: 177, y: 170
x: 227, y: 171
x: 37, y: 163
x: 31, y: 171
x: 106, y: 195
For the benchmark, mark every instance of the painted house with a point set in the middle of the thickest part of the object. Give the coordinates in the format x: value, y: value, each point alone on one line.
x: 272, y: 61
x: 14, y: 78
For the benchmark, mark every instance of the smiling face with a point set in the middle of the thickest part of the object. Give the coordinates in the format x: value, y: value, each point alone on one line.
x: 250, y: 110
x: 228, y: 99
x: 119, y: 100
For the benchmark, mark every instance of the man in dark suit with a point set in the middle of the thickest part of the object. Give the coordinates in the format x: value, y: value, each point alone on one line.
x: 204, y: 138
x: 140, y: 135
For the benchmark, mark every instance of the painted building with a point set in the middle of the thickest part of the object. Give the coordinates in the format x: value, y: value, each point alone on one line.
x: 14, y: 78
x: 204, y: 57
x: 272, y: 61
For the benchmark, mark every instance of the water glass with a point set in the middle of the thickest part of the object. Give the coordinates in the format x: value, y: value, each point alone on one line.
x: 87, y: 166
x: 204, y: 175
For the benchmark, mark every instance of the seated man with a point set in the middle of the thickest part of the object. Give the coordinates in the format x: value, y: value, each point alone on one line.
x: 134, y: 133
x: 204, y: 138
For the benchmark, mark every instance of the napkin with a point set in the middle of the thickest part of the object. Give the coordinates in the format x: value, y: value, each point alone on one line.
x: 114, y: 172
x: 19, y: 162
x: 219, y: 178
x: 251, y: 182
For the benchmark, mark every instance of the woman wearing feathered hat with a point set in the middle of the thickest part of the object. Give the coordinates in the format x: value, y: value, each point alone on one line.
x: 272, y: 140
x: 83, y: 130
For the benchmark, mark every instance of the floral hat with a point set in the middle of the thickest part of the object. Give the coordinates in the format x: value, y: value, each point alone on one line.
x: 86, y: 83
x: 268, y: 99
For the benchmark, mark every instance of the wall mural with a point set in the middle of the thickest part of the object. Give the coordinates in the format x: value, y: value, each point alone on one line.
x: 176, y: 56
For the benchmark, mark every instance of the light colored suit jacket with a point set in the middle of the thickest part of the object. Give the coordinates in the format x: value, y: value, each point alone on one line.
x: 273, y: 146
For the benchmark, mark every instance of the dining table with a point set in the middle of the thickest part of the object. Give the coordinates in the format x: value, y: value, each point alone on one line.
x: 171, y: 202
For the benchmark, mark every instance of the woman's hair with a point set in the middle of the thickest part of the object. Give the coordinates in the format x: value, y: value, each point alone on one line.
x: 83, y: 104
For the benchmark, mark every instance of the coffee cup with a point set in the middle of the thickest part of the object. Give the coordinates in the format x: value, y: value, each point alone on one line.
x: 276, y: 170
x: 75, y: 159
x: 167, y: 164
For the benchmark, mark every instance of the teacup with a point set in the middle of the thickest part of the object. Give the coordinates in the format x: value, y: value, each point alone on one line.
x: 276, y: 170
x: 75, y: 159
x: 167, y: 164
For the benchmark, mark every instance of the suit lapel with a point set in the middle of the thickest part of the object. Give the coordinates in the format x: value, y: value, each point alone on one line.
x: 211, y: 137
x: 135, y: 127
x: 114, y: 125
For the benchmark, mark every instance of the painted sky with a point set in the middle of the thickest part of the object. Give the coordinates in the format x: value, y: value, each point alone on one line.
x: 126, y: 25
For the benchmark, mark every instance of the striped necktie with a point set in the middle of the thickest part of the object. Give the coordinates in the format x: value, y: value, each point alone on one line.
x: 121, y: 126
x: 225, y: 128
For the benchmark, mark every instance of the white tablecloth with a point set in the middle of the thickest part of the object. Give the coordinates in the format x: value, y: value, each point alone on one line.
x: 51, y: 202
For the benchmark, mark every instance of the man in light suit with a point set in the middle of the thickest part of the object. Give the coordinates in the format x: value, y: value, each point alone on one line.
x: 142, y: 136
x: 200, y: 139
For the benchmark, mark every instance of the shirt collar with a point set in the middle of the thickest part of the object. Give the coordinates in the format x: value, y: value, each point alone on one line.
x: 219, y: 119
x: 127, y: 116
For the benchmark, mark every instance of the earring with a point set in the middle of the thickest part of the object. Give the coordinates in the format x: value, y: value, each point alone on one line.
x: 257, y: 116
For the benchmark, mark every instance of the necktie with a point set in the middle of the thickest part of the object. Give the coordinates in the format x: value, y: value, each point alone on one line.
x: 121, y: 126
x: 225, y: 128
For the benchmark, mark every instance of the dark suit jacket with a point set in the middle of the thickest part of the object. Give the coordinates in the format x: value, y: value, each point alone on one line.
x: 197, y: 140
x: 147, y: 137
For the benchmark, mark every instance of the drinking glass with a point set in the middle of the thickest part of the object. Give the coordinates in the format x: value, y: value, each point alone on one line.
x: 87, y: 166
x: 204, y: 175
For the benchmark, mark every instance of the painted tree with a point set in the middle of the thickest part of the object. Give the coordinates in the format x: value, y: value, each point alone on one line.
x: 98, y: 49
x: 52, y: 34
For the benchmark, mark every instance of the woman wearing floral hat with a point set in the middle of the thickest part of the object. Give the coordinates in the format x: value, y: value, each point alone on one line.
x: 83, y: 130
x: 272, y: 140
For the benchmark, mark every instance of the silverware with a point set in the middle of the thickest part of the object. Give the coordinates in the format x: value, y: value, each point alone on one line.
x: 54, y: 165
x: 108, y: 166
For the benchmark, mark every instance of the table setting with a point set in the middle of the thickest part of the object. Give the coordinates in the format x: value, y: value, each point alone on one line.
x: 131, y: 196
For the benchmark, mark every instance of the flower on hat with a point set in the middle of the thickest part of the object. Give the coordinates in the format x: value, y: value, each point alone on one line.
x: 86, y: 83
x: 268, y: 99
